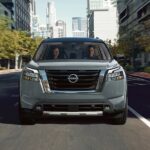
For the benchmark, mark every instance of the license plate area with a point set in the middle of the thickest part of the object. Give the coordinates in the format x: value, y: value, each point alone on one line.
x: 73, y: 108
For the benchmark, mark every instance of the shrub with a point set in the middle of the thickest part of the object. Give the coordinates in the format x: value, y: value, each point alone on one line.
x: 128, y: 67
x: 147, y: 69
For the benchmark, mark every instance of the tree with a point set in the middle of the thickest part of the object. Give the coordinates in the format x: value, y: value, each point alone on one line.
x: 5, y: 23
x: 5, y: 37
x: 34, y: 43
x: 14, y: 43
x: 144, y: 42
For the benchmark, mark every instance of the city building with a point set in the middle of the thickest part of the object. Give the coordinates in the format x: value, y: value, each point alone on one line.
x: 102, y: 19
x: 4, y: 11
x: 33, y: 6
x: 134, y: 20
x: 133, y: 13
x: 97, y: 4
x: 78, y: 33
x: 51, y: 17
x: 42, y: 32
x: 53, y: 28
x: 34, y: 25
x: 60, y: 29
x: 20, y: 13
x: 79, y: 27
x: 34, y: 20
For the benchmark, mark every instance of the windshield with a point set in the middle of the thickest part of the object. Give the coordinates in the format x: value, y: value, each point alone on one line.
x: 72, y: 50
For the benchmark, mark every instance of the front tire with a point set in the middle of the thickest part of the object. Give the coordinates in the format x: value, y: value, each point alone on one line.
x: 121, y: 118
x: 25, y: 118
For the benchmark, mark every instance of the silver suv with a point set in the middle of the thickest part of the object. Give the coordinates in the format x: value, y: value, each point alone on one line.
x: 73, y: 77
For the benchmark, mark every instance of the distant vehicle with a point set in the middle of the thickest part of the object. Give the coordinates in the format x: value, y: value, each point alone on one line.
x: 73, y: 77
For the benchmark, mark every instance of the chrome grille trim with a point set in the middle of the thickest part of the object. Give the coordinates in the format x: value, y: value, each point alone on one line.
x: 43, y: 79
x: 58, y: 80
x: 102, y: 76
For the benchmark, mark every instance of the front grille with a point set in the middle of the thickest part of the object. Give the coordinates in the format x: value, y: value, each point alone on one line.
x: 58, y: 80
x: 73, y: 108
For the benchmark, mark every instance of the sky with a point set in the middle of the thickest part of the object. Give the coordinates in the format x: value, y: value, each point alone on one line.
x: 65, y: 10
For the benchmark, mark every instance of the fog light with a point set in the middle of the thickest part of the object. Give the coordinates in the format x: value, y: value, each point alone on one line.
x: 107, y: 108
x: 38, y: 108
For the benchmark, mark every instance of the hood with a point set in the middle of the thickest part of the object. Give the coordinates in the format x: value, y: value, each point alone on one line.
x: 79, y: 65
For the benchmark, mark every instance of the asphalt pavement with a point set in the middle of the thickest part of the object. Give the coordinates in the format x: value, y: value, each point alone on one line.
x: 74, y: 133
x: 139, y: 95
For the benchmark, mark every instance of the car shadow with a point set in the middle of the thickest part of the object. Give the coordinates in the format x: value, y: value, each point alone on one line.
x: 74, y: 120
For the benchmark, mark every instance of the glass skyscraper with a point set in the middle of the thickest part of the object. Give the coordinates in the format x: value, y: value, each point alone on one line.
x: 20, y: 13
x: 79, y: 26
x: 95, y: 4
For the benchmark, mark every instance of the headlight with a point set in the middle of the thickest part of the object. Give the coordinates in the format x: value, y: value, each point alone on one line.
x: 30, y: 74
x: 115, y: 75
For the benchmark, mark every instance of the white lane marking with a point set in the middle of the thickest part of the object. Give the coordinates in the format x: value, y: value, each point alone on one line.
x: 140, y: 84
x: 144, y: 120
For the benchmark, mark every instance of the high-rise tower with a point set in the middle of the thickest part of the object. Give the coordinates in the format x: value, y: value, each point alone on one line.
x: 102, y: 19
x: 33, y: 7
x: 51, y: 14
x: 79, y: 27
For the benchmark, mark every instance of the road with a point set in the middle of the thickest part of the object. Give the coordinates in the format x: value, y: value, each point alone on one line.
x: 73, y: 133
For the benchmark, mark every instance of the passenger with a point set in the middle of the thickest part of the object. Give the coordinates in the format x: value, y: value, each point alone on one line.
x: 56, y: 53
x: 91, y: 53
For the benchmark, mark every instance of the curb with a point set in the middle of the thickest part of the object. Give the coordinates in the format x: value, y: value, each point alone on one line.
x: 139, y: 77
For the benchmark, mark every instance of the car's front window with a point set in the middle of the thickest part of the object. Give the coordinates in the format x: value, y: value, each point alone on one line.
x: 72, y: 50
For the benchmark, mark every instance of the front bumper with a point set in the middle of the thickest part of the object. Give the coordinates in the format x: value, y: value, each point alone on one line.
x: 106, y: 106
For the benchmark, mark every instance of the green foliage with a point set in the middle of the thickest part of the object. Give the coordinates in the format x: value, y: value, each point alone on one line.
x: 5, y: 23
x: 116, y: 47
x: 14, y: 42
x: 130, y: 43
x: 33, y: 44
x: 129, y: 67
x: 147, y: 69
x: 144, y: 42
